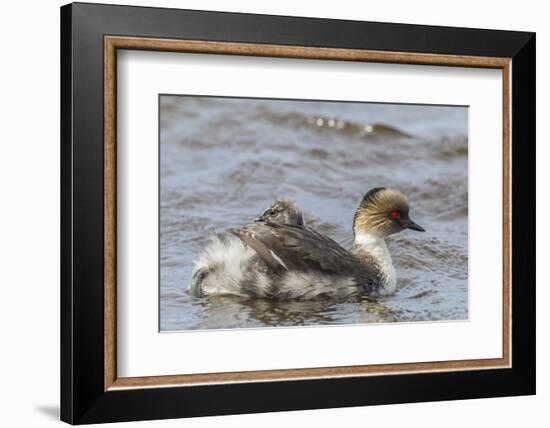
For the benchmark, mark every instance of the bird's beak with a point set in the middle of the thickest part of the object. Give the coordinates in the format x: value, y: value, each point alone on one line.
x: 409, y: 224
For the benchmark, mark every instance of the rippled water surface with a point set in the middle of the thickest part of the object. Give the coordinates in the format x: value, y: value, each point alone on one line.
x: 224, y: 160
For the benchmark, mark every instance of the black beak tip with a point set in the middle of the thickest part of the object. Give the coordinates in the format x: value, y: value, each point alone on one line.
x: 413, y: 226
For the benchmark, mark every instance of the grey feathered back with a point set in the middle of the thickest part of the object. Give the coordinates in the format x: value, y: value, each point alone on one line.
x: 287, y: 247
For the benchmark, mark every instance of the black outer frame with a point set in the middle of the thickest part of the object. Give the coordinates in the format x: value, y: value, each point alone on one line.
x: 83, y: 399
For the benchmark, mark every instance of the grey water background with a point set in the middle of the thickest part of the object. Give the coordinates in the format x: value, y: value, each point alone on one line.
x: 224, y: 160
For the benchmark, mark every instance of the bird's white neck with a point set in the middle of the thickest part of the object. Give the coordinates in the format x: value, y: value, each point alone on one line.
x: 375, y: 246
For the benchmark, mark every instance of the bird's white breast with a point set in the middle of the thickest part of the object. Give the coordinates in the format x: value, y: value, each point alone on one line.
x: 376, y: 247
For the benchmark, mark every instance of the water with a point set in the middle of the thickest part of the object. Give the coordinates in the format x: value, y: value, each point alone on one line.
x: 224, y: 160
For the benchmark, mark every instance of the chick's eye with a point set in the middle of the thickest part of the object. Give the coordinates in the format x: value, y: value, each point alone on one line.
x: 394, y: 214
x: 201, y: 274
x: 273, y: 213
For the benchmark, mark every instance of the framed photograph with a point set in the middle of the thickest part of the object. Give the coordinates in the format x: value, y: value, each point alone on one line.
x: 266, y: 213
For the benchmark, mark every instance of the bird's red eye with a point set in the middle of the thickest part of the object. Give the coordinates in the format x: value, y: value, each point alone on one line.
x: 394, y: 214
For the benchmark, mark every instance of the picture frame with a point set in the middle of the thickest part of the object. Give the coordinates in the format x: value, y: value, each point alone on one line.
x: 91, y: 35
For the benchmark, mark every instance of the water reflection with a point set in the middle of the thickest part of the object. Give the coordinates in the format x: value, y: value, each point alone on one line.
x: 230, y: 311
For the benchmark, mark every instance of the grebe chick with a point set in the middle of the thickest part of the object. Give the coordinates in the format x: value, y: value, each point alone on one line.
x: 282, y: 211
x: 297, y: 262
x: 223, y: 265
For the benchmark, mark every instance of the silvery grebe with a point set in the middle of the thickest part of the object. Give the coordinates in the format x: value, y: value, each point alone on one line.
x: 285, y: 261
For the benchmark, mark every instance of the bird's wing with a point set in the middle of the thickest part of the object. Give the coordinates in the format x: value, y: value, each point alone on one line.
x: 292, y: 247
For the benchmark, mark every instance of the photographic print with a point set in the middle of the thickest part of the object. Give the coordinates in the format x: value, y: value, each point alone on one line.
x: 281, y: 213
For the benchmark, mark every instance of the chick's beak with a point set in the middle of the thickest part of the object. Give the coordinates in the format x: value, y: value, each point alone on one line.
x: 409, y: 224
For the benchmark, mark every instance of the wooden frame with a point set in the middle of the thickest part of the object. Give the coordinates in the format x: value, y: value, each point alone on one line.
x: 513, y: 53
x: 112, y: 43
